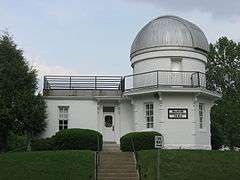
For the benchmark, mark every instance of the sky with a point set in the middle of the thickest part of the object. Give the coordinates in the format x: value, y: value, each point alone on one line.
x: 87, y: 37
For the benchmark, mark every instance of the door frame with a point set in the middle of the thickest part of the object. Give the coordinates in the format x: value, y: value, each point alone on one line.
x: 113, y: 126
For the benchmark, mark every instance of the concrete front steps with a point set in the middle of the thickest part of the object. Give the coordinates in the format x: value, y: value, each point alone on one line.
x: 116, y: 165
x: 110, y: 147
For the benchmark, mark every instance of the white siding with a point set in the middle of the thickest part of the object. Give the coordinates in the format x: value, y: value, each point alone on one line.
x: 203, y: 136
x: 161, y: 60
x: 178, y: 133
x: 82, y: 114
x: 126, y: 121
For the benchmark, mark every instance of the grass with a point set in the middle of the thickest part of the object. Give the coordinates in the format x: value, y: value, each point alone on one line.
x: 47, y: 165
x: 190, y: 165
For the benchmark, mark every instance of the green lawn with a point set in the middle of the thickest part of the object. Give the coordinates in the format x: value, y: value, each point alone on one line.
x: 47, y: 165
x: 190, y: 165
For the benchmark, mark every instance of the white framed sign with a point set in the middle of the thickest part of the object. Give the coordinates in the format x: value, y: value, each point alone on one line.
x: 177, y: 113
x: 159, y: 142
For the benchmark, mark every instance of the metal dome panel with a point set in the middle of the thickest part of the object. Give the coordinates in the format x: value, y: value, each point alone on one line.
x: 170, y: 31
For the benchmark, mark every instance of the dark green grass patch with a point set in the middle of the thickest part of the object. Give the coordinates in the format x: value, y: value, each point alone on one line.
x: 190, y: 164
x: 47, y: 165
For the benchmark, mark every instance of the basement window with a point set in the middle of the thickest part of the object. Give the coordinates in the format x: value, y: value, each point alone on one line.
x: 149, y: 114
x: 63, y: 117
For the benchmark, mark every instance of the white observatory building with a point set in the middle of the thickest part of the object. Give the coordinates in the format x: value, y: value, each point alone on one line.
x: 166, y: 92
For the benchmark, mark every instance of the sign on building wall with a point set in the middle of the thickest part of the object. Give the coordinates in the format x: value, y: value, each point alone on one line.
x: 159, y: 142
x: 177, y: 113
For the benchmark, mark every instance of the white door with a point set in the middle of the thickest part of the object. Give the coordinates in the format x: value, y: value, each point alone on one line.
x: 108, y: 127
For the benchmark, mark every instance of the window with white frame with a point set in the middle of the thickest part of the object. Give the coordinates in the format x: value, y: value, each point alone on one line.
x: 201, y: 115
x: 176, y: 64
x: 63, y: 117
x: 149, y: 114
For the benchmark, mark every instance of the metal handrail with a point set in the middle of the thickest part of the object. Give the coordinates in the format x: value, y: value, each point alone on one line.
x: 83, y: 82
x: 97, y: 158
x: 138, y: 166
x: 165, y: 78
x: 163, y: 71
x: 155, y: 78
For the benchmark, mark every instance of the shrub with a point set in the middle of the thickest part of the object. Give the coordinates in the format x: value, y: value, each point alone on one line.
x: 217, y: 136
x: 78, y: 139
x: 16, y: 142
x: 43, y: 144
x: 141, y: 140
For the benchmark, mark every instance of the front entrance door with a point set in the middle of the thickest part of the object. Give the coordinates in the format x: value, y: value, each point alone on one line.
x: 108, y: 129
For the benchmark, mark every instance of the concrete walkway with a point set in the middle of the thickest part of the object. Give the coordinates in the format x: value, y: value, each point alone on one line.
x: 116, y: 165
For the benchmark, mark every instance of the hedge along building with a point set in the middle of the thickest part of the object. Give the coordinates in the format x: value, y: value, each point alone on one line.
x: 166, y: 92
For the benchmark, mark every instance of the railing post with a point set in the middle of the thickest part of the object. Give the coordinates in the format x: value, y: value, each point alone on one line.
x: 191, y: 78
x: 157, y: 79
x: 44, y: 82
x: 123, y: 84
x: 70, y: 82
x: 198, y: 79
x: 97, y: 158
x: 95, y: 82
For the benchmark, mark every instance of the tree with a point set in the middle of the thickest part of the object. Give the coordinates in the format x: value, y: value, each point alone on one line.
x: 223, y: 67
x: 217, y: 136
x: 6, y: 119
x: 31, y: 114
x: 223, y: 75
x: 18, y: 83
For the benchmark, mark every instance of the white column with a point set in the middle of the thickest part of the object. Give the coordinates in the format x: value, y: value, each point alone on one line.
x: 195, y: 119
x: 117, y: 123
x: 160, y: 113
x: 135, y: 111
x: 99, y: 117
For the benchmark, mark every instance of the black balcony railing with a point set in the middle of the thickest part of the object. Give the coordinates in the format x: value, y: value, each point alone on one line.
x: 83, y: 82
x: 160, y: 78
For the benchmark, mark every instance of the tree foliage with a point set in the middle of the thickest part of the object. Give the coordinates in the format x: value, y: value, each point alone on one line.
x: 223, y: 75
x: 18, y: 84
x: 31, y: 113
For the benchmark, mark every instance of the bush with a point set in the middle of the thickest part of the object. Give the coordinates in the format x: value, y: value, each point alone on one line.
x: 82, y: 139
x: 217, y: 136
x: 43, y: 144
x: 16, y: 142
x: 141, y: 140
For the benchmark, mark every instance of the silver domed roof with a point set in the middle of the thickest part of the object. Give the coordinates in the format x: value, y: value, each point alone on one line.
x: 170, y: 31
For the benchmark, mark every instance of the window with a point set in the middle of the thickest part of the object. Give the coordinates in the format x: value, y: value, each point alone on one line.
x: 108, y: 109
x: 63, y: 117
x: 176, y: 64
x: 108, y: 121
x: 201, y: 115
x: 149, y: 114
x: 176, y: 77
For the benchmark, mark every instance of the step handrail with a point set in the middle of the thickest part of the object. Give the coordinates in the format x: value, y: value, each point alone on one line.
x: 97, y: 159
x: 138, y: 166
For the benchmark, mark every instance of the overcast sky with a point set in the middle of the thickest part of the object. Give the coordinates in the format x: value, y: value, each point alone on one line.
x: 86, y: 37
